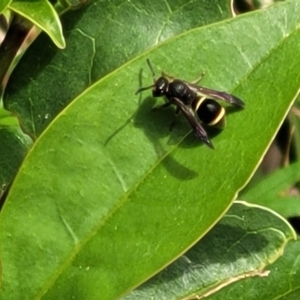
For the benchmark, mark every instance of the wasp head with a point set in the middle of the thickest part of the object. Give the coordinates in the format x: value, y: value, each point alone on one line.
x: 160, y: 87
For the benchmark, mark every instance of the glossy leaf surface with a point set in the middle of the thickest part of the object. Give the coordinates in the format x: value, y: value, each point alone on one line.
x: 121, y: 197
x: 283, y: 281
x: 242, y: 244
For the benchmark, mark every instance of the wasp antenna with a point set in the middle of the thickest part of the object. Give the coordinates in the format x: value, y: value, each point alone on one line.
x: 144, y: 88
x: 151, y: 69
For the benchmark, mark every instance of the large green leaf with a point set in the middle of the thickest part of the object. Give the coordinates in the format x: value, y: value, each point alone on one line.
x: 108, y: 197
x: 245, y: 241
x: 101, y: 36
x: 47, y: 78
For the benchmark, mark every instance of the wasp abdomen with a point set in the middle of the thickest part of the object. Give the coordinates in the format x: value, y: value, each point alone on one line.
x: 211, y: 113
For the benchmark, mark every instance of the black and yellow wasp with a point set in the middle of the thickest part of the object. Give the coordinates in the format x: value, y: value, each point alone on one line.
x: 198, y: 104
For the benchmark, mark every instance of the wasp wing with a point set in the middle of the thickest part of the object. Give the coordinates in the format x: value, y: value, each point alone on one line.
x: 194, y: 122
x: 216, y: 95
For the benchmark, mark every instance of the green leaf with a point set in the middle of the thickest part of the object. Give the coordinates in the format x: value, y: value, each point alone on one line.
x: 13, y: 151
x: 293, y: 119
x: 276, y: 192
x: 43, y: 15
x: 13, y: 147
x: 7, y: 119
x: 111, y: 196
x: 282, y: 282
x: 243, y: 243
x: 4, y: 4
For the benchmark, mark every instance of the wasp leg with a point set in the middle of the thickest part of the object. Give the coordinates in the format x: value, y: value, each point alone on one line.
x: 166, y: 75
x: 177, y: 111
x: 167, y: 104
x: 199, y: 78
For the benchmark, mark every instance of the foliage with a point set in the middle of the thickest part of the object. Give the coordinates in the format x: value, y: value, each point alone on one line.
x: 104, y: 196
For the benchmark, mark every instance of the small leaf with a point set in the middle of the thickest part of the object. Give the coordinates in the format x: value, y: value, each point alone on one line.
x: 43, y: 15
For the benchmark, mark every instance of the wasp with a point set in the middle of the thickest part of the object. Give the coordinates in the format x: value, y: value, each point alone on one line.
x: 198, y: 104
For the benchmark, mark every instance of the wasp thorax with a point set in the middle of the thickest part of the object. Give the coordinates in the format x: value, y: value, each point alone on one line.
x: 210, y: 112
x: 161, y: 87
x: 177, y: 88
x: 180, y: 90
